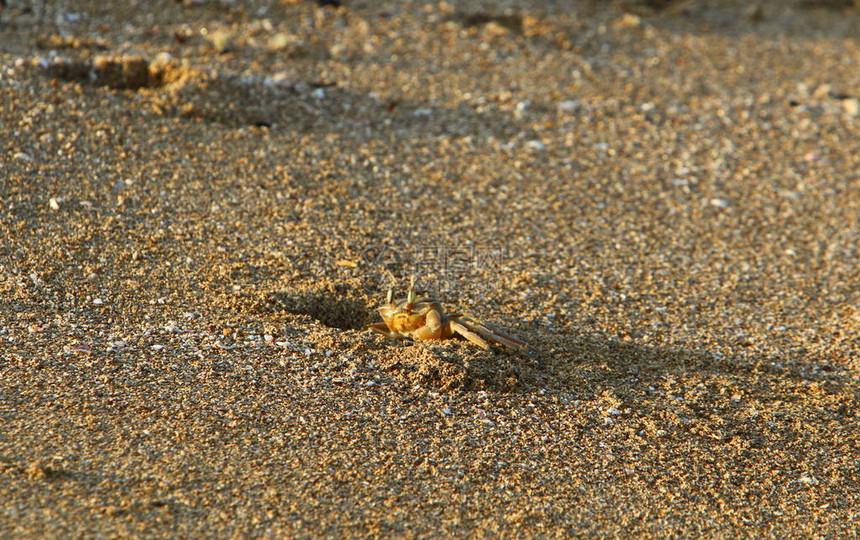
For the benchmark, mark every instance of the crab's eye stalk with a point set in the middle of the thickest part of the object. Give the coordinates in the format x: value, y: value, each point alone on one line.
x: 410, y: 296
x: 390, y: 295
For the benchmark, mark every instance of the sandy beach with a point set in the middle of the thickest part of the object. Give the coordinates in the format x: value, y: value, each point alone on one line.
x: 205, y: 201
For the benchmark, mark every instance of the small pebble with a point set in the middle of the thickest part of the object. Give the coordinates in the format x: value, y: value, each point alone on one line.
x: 523, y: 106
x: 280, y: 79
x: 808, y: 480
x: 569, y: 106
x: 221, y: 40
x: 281, y: 41
x: 627, y: 21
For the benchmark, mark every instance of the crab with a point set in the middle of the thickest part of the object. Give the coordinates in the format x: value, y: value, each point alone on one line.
x: 421, y: 318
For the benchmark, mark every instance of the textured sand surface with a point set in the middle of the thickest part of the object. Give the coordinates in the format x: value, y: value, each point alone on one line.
x: 202, y: 202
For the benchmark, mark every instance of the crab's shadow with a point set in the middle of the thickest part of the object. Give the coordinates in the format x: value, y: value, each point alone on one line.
x: 580, y: 365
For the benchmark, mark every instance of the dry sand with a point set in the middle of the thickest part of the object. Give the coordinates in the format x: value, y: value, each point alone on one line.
x: 202, y: 202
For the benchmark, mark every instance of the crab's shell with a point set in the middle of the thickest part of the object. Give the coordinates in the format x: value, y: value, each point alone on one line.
x: 404, y: 318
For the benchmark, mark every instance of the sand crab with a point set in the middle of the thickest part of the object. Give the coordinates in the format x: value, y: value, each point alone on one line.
x: 420, y: 318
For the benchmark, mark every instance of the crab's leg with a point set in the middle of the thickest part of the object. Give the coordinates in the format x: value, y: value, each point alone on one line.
x: 468, y: 334
x: 494, y: 335
x: 382, y: 328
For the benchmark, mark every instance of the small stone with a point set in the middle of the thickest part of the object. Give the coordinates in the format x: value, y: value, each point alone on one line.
x: 23, y: 156
x: 493, y: 29
x: 81, y: 348
x: 280, y: 79
x: 54, y: 203
x: 808, y: 480
x: 851, y: 106
x: 36, y: 471
x: 569, y: 106
x: 627, y: 21
x: 221, y: 40
x: 822, y: 91
x: 281, y: 41
x: 535, y: 145
x: 338, y: 50
x: 98, y: 301
x: 319, y: 93
x: 719, y: 203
